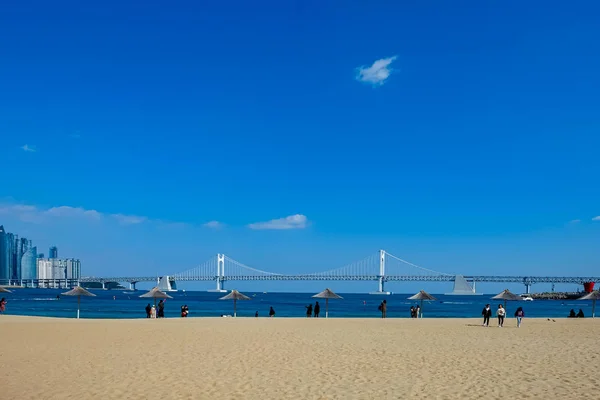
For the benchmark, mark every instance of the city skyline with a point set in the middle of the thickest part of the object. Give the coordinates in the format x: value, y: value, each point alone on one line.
x: 21, y: 264
x: 297, y: 142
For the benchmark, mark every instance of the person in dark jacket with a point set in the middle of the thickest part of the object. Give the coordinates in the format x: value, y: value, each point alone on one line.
x: 161, y: 309
x: 487, y: 313
x: 271, y: 312
x: 317, y: 309
x: 309, y: 311
x: 519, y: 314
x: 580, y: 314
x: 148, y: 310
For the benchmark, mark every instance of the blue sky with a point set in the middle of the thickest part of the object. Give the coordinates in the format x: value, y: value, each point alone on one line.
x: 148, y: 136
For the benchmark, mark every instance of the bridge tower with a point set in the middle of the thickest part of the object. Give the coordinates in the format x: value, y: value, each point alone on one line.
x: 381, y: 276
x: 220, y: 273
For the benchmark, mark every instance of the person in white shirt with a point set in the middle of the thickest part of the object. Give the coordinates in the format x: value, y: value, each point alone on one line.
x: 501, y: 313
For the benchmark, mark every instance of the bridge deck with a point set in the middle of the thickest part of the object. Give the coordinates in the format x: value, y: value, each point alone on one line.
x: 389, y: 278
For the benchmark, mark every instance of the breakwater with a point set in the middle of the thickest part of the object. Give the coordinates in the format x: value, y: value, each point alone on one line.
x: 557, y: 296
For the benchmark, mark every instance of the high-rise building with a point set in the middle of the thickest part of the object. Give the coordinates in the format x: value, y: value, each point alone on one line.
x: 44, y: 268
x: 20, y: 248
x: 29, y: 264
x: 53, y: 253
x: 5, y: 256
x: 9, y: 255
x: 73, y: 268
x: 58, y: 268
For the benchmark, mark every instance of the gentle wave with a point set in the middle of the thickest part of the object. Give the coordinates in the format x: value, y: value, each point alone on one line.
x: 37, y: 299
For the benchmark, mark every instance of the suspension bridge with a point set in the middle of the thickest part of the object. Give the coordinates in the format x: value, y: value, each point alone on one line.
x: 380, y: 267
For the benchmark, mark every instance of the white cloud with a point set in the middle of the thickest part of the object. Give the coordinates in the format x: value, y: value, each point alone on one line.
x: 575, y: 221
x: 213, y: 225
x: 28, y: 213
x: 596, y: 218
x: 129, y: 219
x: 377, y: 73
x: 75, y: 135
x: 28, y: 148
x: 297, y: 221
x: 72, y: 212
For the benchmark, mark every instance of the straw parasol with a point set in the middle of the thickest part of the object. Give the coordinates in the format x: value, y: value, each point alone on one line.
x: 78, y: 291
x: 4, y: 290
x: 593, y: 296
x: 327, y: 294
x: 155, y: 293
x: 507, y: 295
x: 422, y: 295
x: 235, y: 296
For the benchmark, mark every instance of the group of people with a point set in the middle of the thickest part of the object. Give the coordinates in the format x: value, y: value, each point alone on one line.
x: 151, y: 311
x: 271, y: 313
x: 578, y: 315
x: 184, y: 311
x: 309, y: 310
x: 415, y: 312
x: 501, y: 314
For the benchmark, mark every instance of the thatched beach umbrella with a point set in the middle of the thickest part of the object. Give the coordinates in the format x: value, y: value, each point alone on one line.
x: 235, y: 296
x: 155, y: 293
x: 422, y: 295
x: 593, y: 296
x: 78, y: 291
x: 4, y: 290
x: 507, y: 295
x: 327, y: 294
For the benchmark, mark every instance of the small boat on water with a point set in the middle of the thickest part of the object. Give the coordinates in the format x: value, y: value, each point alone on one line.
x: 527, y: 297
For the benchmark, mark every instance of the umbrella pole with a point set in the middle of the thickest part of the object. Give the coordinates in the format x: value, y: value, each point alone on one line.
x: 505, y: 304
x: 594, y: 308
x: 78, y: 302
x: 326, y: 308
x: 234, y: 308
x: 421, y: 316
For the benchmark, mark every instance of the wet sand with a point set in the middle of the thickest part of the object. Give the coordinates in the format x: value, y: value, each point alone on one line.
x: 248, y: 358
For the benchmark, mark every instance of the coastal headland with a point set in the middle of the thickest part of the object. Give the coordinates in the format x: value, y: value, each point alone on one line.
x: 271, y: 358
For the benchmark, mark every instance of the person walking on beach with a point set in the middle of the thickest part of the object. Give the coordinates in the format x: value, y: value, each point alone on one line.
x: 271, y: 312
x: 317, y: 309
x: 309, y: 311
x: 148, y: 311
x: 383, y: 309
x: 2, y: 305
x: 161, y: 309
x: 501, y: 314
x: 184, y: 311
x: 487, y: 313
x: 519, y: 314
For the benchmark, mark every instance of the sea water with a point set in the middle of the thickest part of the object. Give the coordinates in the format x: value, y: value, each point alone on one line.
x: 127, y: 304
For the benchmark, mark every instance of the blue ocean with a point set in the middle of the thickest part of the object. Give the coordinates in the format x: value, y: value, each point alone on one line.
x: 127, y: 304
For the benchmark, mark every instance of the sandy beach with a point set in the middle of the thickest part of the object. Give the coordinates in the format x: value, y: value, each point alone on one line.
x: 226, y: 358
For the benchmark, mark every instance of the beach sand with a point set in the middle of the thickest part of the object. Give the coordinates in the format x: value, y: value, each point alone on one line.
x: 248, y: 358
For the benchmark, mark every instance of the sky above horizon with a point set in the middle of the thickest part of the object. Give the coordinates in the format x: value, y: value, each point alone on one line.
x: 300, y: 136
